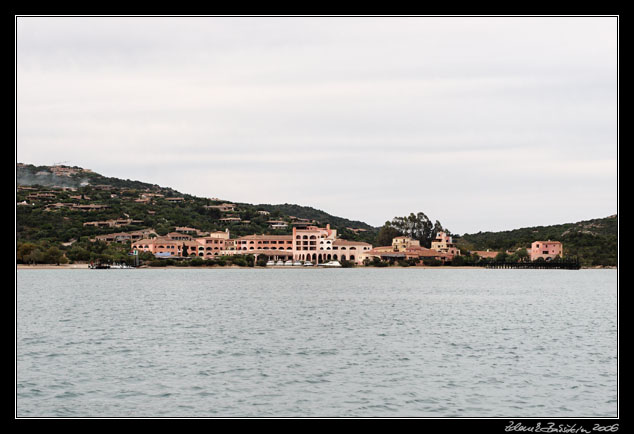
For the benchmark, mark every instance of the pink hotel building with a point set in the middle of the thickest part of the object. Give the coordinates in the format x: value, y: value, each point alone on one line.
x: 307, y: 243
x: 546, y: 249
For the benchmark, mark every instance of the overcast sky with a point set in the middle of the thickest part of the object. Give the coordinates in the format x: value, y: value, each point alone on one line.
x: 481, y: 123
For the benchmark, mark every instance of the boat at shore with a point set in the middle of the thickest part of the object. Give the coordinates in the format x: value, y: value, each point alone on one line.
x: 121, y: 267
x: 99, y: 266
x: 110, y: 267
x: 330, y: 264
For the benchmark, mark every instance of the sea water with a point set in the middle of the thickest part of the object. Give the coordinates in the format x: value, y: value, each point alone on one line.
x: 362, y: 342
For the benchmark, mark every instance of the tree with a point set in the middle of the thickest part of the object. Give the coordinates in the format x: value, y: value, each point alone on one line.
x: 513, y: 258
x: 24, y: 252
x: 522, y: 254
x: 501, y: 257
x: 458, y: 261
x: 417, y: 226
x: 386, y: 233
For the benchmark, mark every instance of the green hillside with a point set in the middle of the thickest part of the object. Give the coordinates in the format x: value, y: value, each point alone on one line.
x: 39, y: 218
x: 594, y: 242
x: 53, y: 203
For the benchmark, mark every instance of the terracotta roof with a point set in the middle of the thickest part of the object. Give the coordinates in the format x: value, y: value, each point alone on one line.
x: 118, y: 234
x: 340, y: 242
x: 484, y: 253
x: 383, y: 249
x: 177, y: 234
x: 422, y: 251
x: 158, y: 240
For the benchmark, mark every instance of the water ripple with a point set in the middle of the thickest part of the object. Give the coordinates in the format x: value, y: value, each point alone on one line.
x: 428, y: 343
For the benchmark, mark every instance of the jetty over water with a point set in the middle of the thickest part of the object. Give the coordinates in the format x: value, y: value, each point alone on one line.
x: 541, y: 265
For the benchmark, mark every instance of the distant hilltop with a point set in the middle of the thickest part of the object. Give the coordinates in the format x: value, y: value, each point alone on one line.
x: 70, y: 177
x: 51, y: 176
x: 39, y: 188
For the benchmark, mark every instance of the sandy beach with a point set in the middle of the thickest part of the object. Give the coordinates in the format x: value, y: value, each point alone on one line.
x: 51, y: 267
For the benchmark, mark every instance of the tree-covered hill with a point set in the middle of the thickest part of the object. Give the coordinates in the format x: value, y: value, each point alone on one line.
x: 594, y: 242
x: 54, y: 202
x: 49, y: 196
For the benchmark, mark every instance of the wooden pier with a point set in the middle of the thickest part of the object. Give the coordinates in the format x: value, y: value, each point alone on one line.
x: 554, y: 265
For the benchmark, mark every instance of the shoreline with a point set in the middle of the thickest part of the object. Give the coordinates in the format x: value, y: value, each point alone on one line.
x: 281, y: 267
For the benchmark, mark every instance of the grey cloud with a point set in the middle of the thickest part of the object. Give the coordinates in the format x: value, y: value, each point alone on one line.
x: 399, y: 106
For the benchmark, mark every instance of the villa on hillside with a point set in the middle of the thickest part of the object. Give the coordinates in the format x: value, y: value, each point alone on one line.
x: 224, y: 207
x: 443, y: 243
x: 277, y: 224
x: 115, y: 223
x: 546, y: 250
x: 405, y: 248
x: 126, y: 236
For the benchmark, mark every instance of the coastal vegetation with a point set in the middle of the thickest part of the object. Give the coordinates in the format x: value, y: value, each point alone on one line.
x: 592, y: 242
x: 416, y: 226
x: 55, y: 206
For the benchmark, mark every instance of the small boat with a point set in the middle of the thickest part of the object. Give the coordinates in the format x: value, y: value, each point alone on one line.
x: 331, y: 264
x: 288, y: 263
x: 308, y: 264
x: 121, y: 267
x: 297, y: 263
x: 270, y: 263
x: 280, y: 262
x: 99, y: 266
